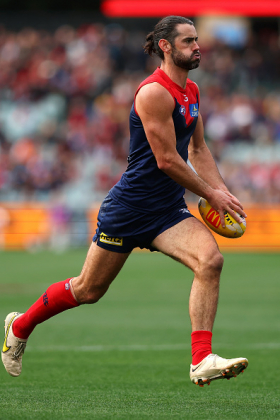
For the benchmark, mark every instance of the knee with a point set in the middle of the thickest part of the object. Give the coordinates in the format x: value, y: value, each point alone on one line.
x: 88, y: 294
x: 217, y: 261
x: 210, y: 264
x: 91, y: 296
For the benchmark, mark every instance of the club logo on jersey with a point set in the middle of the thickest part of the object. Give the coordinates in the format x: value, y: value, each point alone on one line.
x: 213, y: 218
x: 182, y: 110
x: 110, y: 240
x: 194, y: 110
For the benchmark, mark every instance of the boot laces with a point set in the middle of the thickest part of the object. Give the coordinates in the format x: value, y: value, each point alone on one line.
x: 19, y: 351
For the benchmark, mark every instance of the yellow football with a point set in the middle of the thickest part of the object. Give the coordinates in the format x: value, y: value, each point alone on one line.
x: 212, y: 219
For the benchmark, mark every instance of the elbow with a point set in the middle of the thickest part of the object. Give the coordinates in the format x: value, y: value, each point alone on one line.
x: 164, y: 164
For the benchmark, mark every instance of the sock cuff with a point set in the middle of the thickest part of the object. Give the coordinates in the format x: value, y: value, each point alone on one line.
x: 201, y: 345
x: 70, y: 297
x: 201, y: 335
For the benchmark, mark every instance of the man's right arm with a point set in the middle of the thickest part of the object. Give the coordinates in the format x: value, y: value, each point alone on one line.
x: 155, y: 106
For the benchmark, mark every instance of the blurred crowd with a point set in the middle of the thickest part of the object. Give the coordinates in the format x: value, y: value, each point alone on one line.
x: 65, y: 97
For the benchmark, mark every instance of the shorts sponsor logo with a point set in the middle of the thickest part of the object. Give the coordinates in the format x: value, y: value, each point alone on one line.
x: 213, y: 218
x: 194, y: 110
x: 184, y: 210
x: 110, y: 240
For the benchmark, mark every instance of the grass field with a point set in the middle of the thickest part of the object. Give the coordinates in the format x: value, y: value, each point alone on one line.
x: 128, y: 356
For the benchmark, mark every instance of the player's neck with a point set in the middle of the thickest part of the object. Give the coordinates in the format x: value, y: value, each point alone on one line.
x: 176, y: 74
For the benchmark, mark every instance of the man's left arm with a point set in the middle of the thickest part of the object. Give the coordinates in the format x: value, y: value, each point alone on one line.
x: 202, y: 160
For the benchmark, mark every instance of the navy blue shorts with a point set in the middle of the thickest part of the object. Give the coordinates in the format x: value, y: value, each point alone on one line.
x: 121, y: 230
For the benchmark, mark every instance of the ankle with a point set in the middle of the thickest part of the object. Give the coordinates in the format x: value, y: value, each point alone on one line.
x: 201, y: 345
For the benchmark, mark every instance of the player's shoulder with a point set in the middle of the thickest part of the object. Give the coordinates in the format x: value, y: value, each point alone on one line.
x: 192, y: 85
x: 155, y: 93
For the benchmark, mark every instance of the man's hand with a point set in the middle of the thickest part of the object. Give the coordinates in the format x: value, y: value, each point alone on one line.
x: 224, y: 201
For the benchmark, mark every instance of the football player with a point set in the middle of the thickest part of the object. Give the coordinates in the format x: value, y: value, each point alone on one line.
x: 146, y: 208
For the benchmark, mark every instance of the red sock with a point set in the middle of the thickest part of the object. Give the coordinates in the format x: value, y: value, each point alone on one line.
x: 201, y: 345
x: 56, y: 299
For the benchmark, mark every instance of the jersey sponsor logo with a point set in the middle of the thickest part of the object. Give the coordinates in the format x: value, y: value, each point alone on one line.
x: 194, y: 110
x: 213, y: 218
x: 110, y: 240
x: 182, y: 110
x: 5, y: 347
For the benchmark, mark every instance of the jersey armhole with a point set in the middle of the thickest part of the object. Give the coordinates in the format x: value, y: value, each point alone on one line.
x: 134, y: 107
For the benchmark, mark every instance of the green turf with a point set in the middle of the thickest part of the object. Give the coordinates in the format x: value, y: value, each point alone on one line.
x: 128, y: 356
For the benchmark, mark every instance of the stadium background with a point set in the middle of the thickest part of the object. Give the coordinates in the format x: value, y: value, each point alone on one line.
x: 67, y: 80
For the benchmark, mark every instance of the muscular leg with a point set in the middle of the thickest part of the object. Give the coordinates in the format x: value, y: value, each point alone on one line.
x: 191, y: 243
x: 99, y: 270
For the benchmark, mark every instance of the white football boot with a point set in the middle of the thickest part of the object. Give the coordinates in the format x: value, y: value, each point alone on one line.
x: 13, y: 347
x: 215, y: 367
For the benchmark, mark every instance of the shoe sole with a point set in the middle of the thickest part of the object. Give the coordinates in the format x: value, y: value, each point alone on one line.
x: 228, y: 373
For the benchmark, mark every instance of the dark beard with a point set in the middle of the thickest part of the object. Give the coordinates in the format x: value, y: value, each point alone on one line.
x: 180, y: 60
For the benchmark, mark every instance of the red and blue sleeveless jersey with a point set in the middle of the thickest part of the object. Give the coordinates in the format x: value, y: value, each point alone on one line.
x: 143, y: 187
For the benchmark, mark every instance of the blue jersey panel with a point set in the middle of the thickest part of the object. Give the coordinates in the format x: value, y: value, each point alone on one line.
x: 143, y: 186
